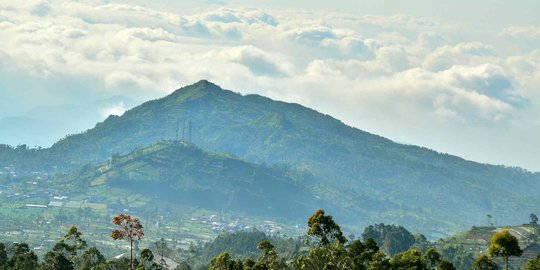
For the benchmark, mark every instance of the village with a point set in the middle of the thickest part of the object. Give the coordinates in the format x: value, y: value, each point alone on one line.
x: 31, y: 200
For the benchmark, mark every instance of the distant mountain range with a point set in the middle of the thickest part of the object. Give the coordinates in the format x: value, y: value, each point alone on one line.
x: 366, y: 177
x: 45, y: 125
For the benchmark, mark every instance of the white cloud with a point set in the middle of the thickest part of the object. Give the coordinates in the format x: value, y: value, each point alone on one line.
x: 527, y: 32
x: 113, y: 109
x: 525, y: 70
x: 460, y: 93
x: 465, y: 53
x: 398, y: 76
x: 432, y: 40
x: 258, y: 61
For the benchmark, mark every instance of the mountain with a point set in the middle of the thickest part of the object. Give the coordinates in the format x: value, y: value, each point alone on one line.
x: 180, y: 173
x: 370, y: 178
x: 463, y: 248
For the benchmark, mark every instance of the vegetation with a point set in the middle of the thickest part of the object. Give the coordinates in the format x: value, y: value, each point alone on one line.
x: 257, y: 164
x: 324, y: 230
x: 131, y: 230
x: 391, y: 238
x: 484, y: 262
x: 182, y: 174
x: 505, y: 245
x: 533, y: 264
x: 366, y: 178
x: 253, y: 250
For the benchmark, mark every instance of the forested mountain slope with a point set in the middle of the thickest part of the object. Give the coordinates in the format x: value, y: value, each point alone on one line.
x: 373, y: 177
x: 180, y: 173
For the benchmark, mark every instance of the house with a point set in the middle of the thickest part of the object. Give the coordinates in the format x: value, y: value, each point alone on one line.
x: 35, y: 205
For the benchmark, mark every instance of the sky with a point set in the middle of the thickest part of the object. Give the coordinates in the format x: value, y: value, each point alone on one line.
x: 460, y: 77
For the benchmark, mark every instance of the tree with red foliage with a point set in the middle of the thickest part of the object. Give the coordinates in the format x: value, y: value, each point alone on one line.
x: 130, y: 230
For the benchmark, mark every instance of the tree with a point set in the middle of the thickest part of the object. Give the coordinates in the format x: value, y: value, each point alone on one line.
x: 70, y: 244
x: 421, y: 242
x: 147, y: 261
x: 534, y: 219
x: 269, y: 256
x: 505, y: 245
x: 489, y: 216
x: 147, y: 255
x: 391, y: 238
x: 183, y: 266
x: 323, y: 228
x: 249, y: 263
x: 379, y: 262
x: 23, y: 258
x: 131, y: 230
x: 332, y: 257
x: 56, y: 261
x: 225, y: 262
x: 3, y: 255
x: 446, y: 265
x: 120, y: 264
x: 371, y: 246
x: 92, y: 259
x: 484, y: 263
x: 359, y: 253
x: 161, y: 246
x: 432, y: 258
x: 64, y: 253
x: 397, y: 241
x: 410, y: 259
x: 533, y: 264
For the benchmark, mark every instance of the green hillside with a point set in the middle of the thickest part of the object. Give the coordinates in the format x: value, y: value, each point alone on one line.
x: 370, y: 178
x: 181, y: 174
x: 464, y: 247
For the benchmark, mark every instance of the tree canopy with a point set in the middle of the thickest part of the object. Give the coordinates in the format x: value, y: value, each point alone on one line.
x: 503, y: 244
x: 324, y: 229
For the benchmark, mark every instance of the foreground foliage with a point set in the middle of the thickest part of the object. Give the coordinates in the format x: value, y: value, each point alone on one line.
x: 324, y: 247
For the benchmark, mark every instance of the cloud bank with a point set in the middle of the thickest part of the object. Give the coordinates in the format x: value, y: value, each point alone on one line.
x: 412, y: 79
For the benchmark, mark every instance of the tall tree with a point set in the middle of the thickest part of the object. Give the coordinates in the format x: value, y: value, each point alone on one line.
x: 63, y: 256
x: 131, y: 230
x: 410, y: 259
x: 503, y: 244
x: 71, y: 243
x: 391, y: 238
x: 161, y: 247
x: 432, y: 258
x: 489, y: 216
x: 484, y: 263
x: 534, y: 219
x: 324, y: 229
x: 333, y: 256
x: 23, y: 258
x: 3, y: 255
x: 269, y: 256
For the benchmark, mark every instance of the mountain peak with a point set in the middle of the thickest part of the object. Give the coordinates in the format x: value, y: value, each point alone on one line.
x: 203, y: 85
x: 206, y: 83
x: 196, y: 90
